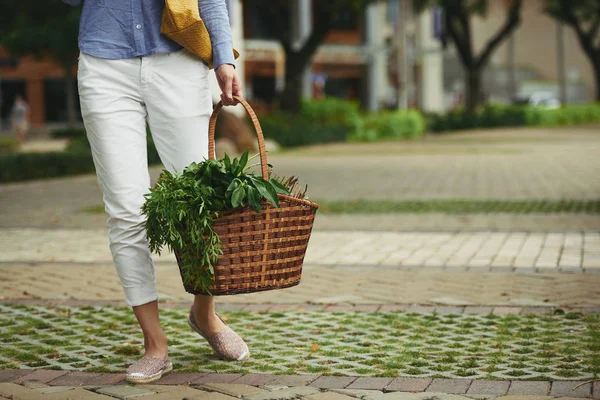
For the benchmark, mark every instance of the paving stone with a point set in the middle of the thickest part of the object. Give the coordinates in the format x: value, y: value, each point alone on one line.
x: 182, y: 392
x: 255, y: 379
x: 12, y: 390
x: 200, y: 395
x: 34, y: 384
x: 452, y: 386
x: 409, y: 384
x: 596, y: 390
x: 41, y: 375
x: 489, y: 387
x: 537, y: 310
x: 9, y: 375
x: 180, y: 378
x: 393, y: 307
x: 233, y: 389
x: 367, y: 307
x: 539, y: 388
x: 54, y: 389
x: 333, y: 382
x: 356, y: 393
x: 285, y: 394
x: 76, y: 394
x: 217, y: 378
x: 106, y: 379
x: 328, y: 396
x: 420, y: 309
x: 124, y: 392
x: 523, y: 397
x: 339, y: 308
x: 449, y: 310
x: 507, y: 310
x: 565, y: 389
x: 413, y: 396
x: 478, y: 310
x: 293, y: 380
x: 257, y: 307
x: 74, y: 379
x: 370, y: 383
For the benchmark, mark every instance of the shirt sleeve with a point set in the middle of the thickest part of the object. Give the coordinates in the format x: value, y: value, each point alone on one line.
x: 215, y: 17
x: 73, y: 2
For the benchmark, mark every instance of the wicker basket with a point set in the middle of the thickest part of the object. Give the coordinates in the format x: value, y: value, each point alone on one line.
x: 261, y: 251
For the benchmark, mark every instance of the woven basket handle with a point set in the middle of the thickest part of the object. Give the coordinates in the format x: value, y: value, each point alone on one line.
x: 261, y: 140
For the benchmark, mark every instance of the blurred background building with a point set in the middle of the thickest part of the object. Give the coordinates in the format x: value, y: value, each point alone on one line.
x: 386, y: 56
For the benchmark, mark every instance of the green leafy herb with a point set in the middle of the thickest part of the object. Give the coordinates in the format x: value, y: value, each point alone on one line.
x: 180, y: 210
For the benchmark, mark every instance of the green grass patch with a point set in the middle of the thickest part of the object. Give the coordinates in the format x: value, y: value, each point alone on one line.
x: 460, y: 207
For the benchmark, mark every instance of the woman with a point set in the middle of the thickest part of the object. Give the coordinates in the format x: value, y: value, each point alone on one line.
x: 129, y: 75
x: 20, y: 118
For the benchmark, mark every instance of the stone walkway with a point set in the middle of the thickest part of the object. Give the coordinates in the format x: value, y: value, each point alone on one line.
x: 519, y: 251
x: 55, y: 253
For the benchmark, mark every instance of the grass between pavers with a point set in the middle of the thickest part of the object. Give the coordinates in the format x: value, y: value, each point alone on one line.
x: 460, y: 206
x: 390, y: 344
x: 445, y: 206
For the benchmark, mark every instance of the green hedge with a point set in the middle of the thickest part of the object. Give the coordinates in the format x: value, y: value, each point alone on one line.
x: 68, y: 133
x: 76, y: 159
x: 391, y: 125
x: 495, y: 115
x: 9, y: 144
x: 26, y: 166
x: 319, y: 121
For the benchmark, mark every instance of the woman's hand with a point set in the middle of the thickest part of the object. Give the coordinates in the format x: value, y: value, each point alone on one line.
x: 229, y: 83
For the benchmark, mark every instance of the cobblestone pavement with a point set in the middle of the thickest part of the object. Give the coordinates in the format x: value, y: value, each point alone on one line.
x: 53, y: 251
x: 63, y: 385
x: 515, y: 164
x: 398, y: 343
x: 322, y: 285
x: 547, y: 252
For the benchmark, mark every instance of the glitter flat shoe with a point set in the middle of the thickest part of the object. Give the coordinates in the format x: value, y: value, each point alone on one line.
x: 148, y: 369
x: 226, y: 344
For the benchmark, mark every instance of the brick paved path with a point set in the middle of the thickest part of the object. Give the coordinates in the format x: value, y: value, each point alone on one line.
x: 547, y: 252
x: 447, y: 260
x: 61, y: 385
x: 515, y: 164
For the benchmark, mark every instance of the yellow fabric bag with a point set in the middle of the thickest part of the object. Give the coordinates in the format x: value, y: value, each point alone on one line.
x: 182, y: 23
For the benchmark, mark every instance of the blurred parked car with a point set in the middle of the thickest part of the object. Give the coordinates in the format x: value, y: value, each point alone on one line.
x: 539, y: 99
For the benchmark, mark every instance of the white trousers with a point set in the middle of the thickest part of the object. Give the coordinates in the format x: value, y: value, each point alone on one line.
x: 168, y: 91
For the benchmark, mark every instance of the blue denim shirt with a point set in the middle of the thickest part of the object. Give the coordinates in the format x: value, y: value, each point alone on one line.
x: 117, y: 29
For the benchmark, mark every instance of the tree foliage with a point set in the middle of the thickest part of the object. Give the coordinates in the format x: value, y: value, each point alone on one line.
x: 584, y: 17
x: 457, y: 24
x: 275, y: 18
x: 43, y: 29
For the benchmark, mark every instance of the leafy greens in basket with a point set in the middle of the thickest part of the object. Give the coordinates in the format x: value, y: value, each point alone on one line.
x: 180, y: 210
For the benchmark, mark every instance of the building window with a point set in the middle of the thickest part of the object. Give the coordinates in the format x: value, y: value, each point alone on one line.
x: 55, y: 99
x: 347, y: 20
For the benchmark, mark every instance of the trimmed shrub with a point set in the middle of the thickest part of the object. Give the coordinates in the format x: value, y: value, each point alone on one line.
x: 26, y: 166
x: 68, y: 133
x: 391, y: 124
x: 9, y: 144
x: 496, y: 115
x: 297, y: 130
x: 319, y: 121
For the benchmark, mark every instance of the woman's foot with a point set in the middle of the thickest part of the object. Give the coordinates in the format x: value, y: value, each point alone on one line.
x: 224, y: 341
x: 148, y: 369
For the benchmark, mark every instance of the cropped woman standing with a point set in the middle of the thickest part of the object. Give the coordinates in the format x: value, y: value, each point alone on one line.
x: 129, y: 75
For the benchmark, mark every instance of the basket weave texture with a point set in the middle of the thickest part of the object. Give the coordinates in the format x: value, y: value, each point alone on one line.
x: 261, y: 251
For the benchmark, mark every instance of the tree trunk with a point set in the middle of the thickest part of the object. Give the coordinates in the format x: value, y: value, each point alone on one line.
x: 596, y: 65
x: 291, y: 97
x: 473, y: 88
x: 70, y: 91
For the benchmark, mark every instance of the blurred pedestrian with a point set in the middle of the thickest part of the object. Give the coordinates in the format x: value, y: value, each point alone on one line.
x: 20, y: 118
x: 129, y: 74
